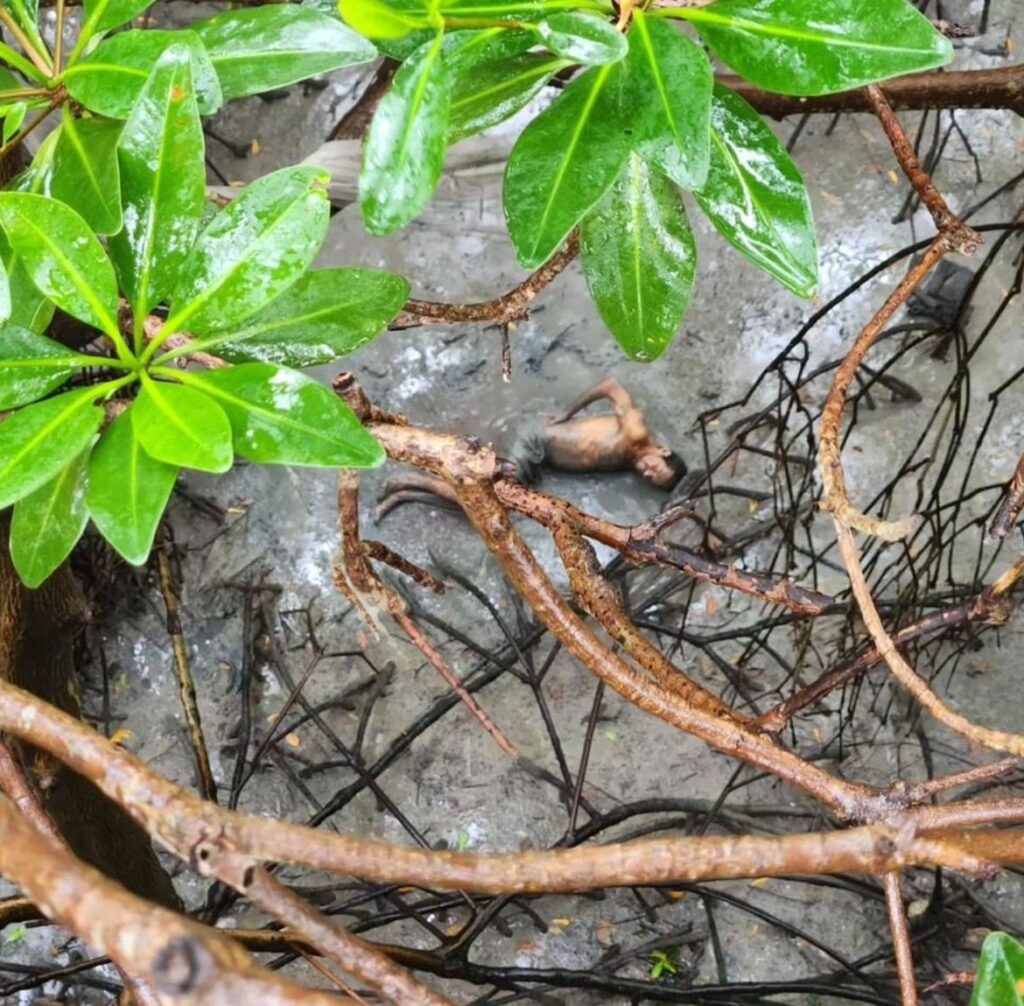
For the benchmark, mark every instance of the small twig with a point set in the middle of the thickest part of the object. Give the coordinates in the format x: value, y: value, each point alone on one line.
x: 22, y: 794
x: 186, y: 686
x: 370, y: 596
x: 511, y: 306
x: 900, y: 939
x: 1013, y: 503
x: 957, y: 235
x: 358, y: 958
x: 902, y: 671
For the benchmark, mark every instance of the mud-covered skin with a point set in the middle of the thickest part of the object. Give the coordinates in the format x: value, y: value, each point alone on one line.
x: 618, y: 442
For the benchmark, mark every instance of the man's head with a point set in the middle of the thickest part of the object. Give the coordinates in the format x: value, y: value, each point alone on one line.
x: 661, y: 467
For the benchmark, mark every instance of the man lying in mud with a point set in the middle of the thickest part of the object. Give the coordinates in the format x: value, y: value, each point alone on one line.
x: 620, y: 441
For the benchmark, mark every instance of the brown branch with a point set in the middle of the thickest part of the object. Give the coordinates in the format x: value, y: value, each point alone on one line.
x: 19, y: 791
x: 999, y: 88
x: 915, y: 686
x: 358, y: 958
x: 598, y: 598
x: 989, y: 608
x: 509, y: 307
x: 186, y: 686
x: 183, y: 962
x: 354, y: 123
x: 954, y: 233
x: 372, y: 598
x: 900, y: 939
x: 1013, y: 503
x: 188, y: 826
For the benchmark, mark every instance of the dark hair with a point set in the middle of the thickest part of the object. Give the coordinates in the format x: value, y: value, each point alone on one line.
x: 678, y: 467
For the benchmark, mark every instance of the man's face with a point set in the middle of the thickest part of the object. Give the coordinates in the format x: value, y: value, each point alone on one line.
x: 654, y: 467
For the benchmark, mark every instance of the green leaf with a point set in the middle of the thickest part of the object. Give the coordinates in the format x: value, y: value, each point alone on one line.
x: 63, y: 257
x: 999, y: 980
x: 181, y: 426
x: 111, y: 78
x: 326, y: 314
x: 563, y: 163
x: 48, y: 522
x: 84, y: 173
x: 36, y: 442
x: 262, y: 48
x: 32, y: 365
x: 128, y: 490
x: 6, y: 304
x: 465, y: 50
x: 669, y: 82
x: 29, y: 308
x: 639, y: 258
x: 404, y: 150
x: 13, y: 118
x: 384, y: 19
x: 251, y: 251
x: 493, y: 92
x: 583, y: 38
x: 102, y: 15
x: 279, y: 416
x: 163, y: 182
x: 819, y: 46
x: 755, y: 196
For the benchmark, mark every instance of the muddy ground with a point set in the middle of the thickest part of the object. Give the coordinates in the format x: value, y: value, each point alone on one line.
x: 260, y: 610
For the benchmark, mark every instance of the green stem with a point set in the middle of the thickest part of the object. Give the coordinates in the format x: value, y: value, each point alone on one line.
x: 85, y: 360
x: 39, y: 56
x: 109, y: 387
x: 15, y: 59
x: 23, y: 92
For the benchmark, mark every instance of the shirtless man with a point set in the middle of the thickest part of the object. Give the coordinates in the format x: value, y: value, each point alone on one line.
x: 606, y: 443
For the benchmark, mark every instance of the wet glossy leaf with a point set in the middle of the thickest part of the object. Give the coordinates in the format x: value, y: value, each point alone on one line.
x: 31, y: 365
x: 62, y: 256
x: 756, y: 197
x: 326, y: 314
x: 465, y: 50
x: 251, y: 251
x: 84, y: 172
x: 163, y: 182
x: 404, y: 150
x: 583, y: 38
x: 999, y: 980
x: 819, y: 46
x: 385, y: 19
x: 181, y: 426
x: 111, y: 78
x: 13, y: 119
x: 102, y: 15
x: 669, y: 83
x: 48, y: 522
x: 266, y: 47
x: 5, y: 294
x: 109, y: 14
x: 639, y: 258
x: 29, y: 308
x: 563, y: 163
x: 279, y: 416
x: 492, y: 93
x: 36, y: 442
x: 128, y: 490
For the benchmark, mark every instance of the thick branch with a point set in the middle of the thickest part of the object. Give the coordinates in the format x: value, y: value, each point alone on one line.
x: 999, y: 88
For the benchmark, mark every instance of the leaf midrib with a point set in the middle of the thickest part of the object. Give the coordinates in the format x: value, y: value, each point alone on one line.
x: 581, y: 124
x: 179, y: 319
x: 60, y: 419
x: 708, y: 16
x: 106, y: 321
